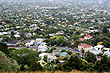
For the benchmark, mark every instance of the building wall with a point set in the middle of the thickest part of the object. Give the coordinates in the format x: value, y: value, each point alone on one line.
x: 85, y: 49
x: 87, y: 37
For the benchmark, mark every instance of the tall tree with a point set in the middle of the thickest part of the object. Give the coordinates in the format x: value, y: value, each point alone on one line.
x: 3, y: 47
x: 105, y: 30
x: 102, y: 65
x: 90, y: 57
x: 24, y: 56
x: 7, y: 64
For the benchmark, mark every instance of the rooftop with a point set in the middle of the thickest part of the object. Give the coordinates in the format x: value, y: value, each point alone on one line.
x: 85, y: 45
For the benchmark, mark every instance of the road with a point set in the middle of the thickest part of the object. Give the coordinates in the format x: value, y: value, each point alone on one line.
x: 66, y: 48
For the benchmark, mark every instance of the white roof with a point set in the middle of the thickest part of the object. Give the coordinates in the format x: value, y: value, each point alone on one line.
x: 107, y: 53
x: 95, y: 51
x: 43, y: 54
x: 39, y: 39
x: 1, y: 33
x: 28, y: 44
x: 32, y: 41
x: 16, y: 35
x: 4, y: 32
x: 98, y: 46
x: 106, y: 48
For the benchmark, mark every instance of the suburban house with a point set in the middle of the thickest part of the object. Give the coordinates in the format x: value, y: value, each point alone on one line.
x: 1, y: 33
x: 16, y: 35
x: 14, y: 43
x: 55, y: 52
x: 108, y: 49
x: 39, y: 40
x: 81, y: 39
x: 95, y: 51
x: 98, y: 47
x: 107, y: 53
x: 26, y: 41
x: 42, y: 62
x: 28, y: 35
x: 87, y: 37
x: 29, y: 43
x: 84, y: 46
x: 60, y: 32
x: 49, y: 57
x: 42, y: 47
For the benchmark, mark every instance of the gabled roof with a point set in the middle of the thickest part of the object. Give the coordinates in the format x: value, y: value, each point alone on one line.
x: 12, y: 42
x: 3, y: 22
x: 82, y: 39
x: 88, y: 36
x: 11, y: 47
x: 85, y: 45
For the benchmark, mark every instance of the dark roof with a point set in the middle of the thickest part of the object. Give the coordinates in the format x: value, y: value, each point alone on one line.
x: 27, y: 40
x: 1, y: 26
x: 12, y: 42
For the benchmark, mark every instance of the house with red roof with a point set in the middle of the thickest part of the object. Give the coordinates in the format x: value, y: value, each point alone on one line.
x: 81, y: 39
x: 87, y: 37
x: 84, y: 46
x: 11, y: 47
x: 3, y: 22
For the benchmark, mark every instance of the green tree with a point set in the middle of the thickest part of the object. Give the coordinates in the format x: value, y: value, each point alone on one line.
x: 54, y: 48
x: 24, y: 56
x: 35, y: 66
x: 78, y: 32
x: 8, y: 64
x: 3, y: 47
x: 10, y: 50
x: 105, y: 30
x: 102, y: 65
x: 97, y: 39
x: 12, y: 33
x: 61, y: 41
x: 75, y: 37
x: 45, y: 58
x: 74, y: 63
x: 76, y: 43
x: 90, y: 57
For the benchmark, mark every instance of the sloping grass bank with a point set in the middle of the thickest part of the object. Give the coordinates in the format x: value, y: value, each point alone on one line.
x: 73, y: 71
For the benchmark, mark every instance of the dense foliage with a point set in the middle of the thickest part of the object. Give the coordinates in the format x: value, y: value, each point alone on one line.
x: 8, y: 64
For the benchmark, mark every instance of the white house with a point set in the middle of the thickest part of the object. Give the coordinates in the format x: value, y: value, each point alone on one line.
x: 60, y: 32
x: 28, y: 35
x: 42, y: 55
x: 1, y: 33
x: 42, y: 47
x: 98, y: 47
x: 108, y: 49
x: 95, y: 51
x: 84, y: 46
x: 107, y: 53
x: 28, y: 44
x: 39, y: 40
x: 87, y: 37
x: 42, y: 62
x: 49, y: 56
x: 16, y: 35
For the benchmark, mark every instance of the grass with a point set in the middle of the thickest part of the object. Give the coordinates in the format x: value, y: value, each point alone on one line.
x: 73, y: 71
